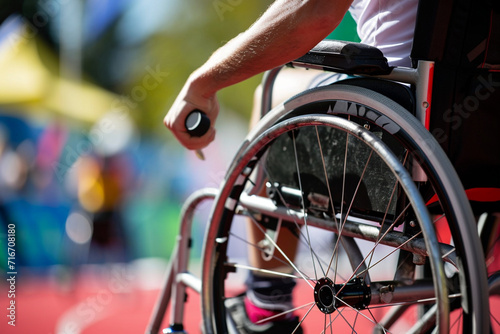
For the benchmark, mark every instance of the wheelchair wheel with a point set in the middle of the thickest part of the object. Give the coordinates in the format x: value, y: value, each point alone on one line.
x: 386, y: 239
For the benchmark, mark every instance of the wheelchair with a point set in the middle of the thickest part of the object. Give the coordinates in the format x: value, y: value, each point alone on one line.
x: 387, y: 240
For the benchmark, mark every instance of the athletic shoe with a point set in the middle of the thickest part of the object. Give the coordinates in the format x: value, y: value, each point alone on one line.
x: 238, y: 318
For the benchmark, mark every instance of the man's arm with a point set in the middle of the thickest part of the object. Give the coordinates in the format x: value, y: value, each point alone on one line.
x: 286, y: 31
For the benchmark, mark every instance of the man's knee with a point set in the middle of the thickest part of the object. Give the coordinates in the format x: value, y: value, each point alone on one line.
x: 256, y: 110
x: 289, y: 82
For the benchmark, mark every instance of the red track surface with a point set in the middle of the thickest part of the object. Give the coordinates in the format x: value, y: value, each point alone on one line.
x: 97, y: 305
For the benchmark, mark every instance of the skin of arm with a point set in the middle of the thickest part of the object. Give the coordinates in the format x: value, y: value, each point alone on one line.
x: 286, y: 31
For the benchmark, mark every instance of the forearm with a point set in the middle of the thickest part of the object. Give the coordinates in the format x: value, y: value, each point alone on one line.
x: 286, y: 31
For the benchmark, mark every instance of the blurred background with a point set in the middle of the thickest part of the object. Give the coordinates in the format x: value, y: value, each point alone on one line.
x: 89, y: 176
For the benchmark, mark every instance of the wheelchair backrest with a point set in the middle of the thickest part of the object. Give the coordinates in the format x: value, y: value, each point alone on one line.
x: 460, y: 33
x: 462, y: 37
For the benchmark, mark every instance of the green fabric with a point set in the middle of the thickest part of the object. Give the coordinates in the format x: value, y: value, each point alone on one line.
x: 346, y: 31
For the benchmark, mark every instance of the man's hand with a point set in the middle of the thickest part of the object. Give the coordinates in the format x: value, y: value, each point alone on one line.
x: 286, y: 31
x: 188, y: 100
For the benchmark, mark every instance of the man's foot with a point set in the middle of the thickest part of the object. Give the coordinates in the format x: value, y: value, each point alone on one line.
x: 239, y: 318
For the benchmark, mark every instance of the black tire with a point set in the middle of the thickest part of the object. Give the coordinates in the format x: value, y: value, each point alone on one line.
x: 387, y: 129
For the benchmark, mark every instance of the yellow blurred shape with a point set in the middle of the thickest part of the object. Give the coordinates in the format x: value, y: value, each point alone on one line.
x: 23, y: 77
x: 90, y: 184
x: 30, y: 81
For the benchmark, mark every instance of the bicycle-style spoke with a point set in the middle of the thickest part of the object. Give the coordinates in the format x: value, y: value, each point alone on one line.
x: 362, y: 262
x: 382, y: 223
x: 263, y: 271
x: 385, y: 215
x: 456, y: 323
x: 278, y: 315
x: 305, y: 315
x: 303, y: 238
x: 375, y: 320
x: 393, y: 251
x: 492, y: 316
x: 382, y: 236
x: 349, y: 210
x: 355, y: 320
x: 329, y: 326
x: 364, y: 271
x: 344, y: 173
x: 348, y: 323
x: 327, y: 182
x: 248, y: 243
x: 347, y: 214
x: 445, y: 255
x: 274, y: 257
x: 323, y: 165
x: 303, y: 203
x: 411, y: 302
x: 347, y: 306
x: 336, y: 252
x: 290, y: 262
x: 342, y: 200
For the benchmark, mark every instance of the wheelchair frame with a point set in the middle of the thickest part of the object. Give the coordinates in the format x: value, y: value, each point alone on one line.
x: 178, y: 278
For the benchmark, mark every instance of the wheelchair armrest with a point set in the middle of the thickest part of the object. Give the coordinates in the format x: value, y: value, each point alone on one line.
x: 345, y: 57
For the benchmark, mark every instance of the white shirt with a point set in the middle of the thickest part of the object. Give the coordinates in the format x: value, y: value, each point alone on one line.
x: 388, y: 25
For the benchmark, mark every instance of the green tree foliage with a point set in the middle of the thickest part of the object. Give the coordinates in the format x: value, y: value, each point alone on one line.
x: 190, y: 33
x: 184, y: 43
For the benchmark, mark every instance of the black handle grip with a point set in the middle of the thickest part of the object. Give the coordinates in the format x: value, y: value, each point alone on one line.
x: 197, y: 123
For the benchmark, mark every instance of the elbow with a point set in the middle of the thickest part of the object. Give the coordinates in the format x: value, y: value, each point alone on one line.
x: 324, y: 16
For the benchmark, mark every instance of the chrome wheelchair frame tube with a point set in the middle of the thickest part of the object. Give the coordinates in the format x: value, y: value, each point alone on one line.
x: 421, y: 77
x: 358, y: 230
x: 177, y: 277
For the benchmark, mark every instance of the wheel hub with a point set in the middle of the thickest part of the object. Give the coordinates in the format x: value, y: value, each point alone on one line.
x: 330, y: 296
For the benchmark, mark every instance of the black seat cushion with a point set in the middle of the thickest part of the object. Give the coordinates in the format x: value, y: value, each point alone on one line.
x: 345, y: 57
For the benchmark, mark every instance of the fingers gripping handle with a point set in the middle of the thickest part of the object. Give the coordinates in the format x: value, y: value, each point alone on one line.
x: 197, y: 123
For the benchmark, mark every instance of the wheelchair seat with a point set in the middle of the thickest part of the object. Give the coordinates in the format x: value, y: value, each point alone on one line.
x: 345, y: 57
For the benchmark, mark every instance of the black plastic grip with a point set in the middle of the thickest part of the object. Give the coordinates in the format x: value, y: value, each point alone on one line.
x: 197, y: 123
